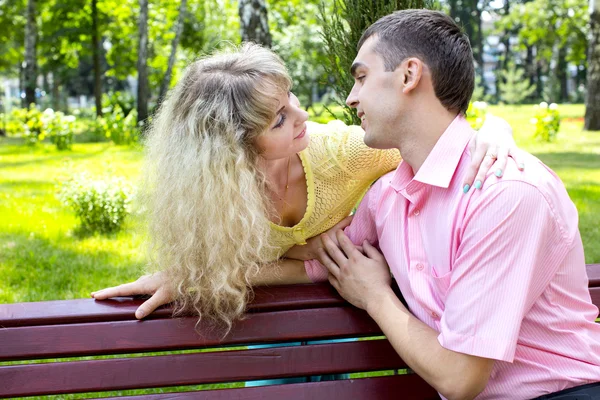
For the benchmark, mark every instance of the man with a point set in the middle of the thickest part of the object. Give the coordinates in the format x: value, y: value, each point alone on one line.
x: 494, y: 276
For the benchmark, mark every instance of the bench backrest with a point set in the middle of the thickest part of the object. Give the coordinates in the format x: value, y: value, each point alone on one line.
x: 75, y: 328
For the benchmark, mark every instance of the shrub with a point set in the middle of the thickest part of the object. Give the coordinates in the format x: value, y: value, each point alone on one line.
x: 59, y: 128
x: 546, y: 121
x: 118, y: 127
x: 100, y: 205
x: 476, y: 113
x: 26, y: 123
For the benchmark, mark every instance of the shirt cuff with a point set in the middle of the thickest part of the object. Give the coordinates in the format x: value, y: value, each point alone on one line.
x: 316, y: 271
x: 495, y: 349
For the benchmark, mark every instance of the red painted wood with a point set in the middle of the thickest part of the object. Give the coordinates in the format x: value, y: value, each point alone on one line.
x: 405, y: 387
x: 291, y: 297
x: 595, y: 294
x: 197, y: 368
x: 593, y: 271
x: 170, y: 334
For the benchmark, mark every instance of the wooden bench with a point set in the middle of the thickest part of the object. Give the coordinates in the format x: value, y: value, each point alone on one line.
x: 74, y: 328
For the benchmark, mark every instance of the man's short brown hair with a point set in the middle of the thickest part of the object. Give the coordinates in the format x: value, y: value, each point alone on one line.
x: 434, y: 38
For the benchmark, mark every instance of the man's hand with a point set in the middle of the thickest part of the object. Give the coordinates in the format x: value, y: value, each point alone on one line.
x: 310, y: 250
x: 145, y: 285
x: 359, y: 278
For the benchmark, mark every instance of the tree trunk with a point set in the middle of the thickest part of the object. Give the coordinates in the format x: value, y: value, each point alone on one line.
x: 592, y: 98
x: 254, y: 24
x: 30, y: 70
x: 142, y: 67
x: 479, y: 45
x: 561, y: 75
x: 96, y: 56
x: 166, y: 82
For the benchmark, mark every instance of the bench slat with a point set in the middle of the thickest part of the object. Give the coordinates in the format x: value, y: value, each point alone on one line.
x: 56, y: 341
x: 197, y: 368
x: 405, y: 387
x: 88, y: 310
x: 593, y: 271
x: 595, y: 294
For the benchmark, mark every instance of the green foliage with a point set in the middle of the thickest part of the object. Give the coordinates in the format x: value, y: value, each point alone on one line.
x: 546, y: 121
x: 59, y: 128
x: 343, y: 26
x: 476, y: 113
x: 120, y: 129
x: 27, y: 123
x: 100, y: 205
x: 514, y: 86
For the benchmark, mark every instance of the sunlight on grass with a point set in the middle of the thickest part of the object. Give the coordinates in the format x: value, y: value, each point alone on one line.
x: 42, y: 259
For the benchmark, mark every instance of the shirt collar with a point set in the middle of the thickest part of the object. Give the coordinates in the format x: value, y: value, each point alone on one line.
x: 441, y: 163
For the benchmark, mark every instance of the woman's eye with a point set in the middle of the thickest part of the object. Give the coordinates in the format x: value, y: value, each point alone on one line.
x: 282, y: 118
x: 361, y: 78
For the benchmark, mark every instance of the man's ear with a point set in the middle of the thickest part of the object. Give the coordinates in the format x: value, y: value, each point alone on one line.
x: 412, y: 70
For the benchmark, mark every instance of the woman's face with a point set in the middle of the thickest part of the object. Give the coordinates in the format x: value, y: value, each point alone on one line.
x: 287, y: 133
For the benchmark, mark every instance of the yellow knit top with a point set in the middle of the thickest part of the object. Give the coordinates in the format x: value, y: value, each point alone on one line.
x: 339, y: 169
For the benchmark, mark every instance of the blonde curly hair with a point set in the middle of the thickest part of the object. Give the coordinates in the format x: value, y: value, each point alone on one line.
x: 204, y: 193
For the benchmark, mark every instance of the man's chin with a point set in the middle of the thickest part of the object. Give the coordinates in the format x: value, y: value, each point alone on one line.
x: 373, y: 142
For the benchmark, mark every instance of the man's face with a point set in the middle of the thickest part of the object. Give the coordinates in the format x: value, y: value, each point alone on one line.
x: 377, y: 96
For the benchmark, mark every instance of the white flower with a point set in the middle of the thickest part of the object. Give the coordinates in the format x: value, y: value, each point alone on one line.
x: 544, y: 105
x: 533, y: 120
x: 553, y: 106
x: 482, y: 105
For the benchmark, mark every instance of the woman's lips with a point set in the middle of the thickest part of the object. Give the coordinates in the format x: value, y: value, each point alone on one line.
x: 301, y: 135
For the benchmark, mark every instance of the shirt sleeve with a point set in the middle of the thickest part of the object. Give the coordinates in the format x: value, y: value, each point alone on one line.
x: 495, y: 277
x: 360, y: 229
x: 359, y: 160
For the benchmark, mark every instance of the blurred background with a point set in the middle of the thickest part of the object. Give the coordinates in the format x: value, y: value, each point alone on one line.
x: 79, y: 80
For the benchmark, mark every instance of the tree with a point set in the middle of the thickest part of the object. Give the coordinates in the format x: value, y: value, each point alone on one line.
x: 96, y: 57
x: 30, y: 68
x: 343, y: 26
x: 178, y: 29
x: 514, y: 88
x: 592, y: 99
x: 254, y: 23
x: 142, y: 63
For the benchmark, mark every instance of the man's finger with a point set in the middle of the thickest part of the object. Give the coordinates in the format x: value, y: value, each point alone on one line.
x: 346, y: 244
x: 328, y: 263
x: 157, y: 300
x: 372, y: 252
x: 334, y: 251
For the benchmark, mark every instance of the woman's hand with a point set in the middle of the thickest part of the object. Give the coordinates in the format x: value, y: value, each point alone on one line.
x: 145, y: 285
x: 310, y: 250
x: 490, y: 149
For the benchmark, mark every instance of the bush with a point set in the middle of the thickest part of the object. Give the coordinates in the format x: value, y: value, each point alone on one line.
x: 546, y: 121
x: 476, y: 113
x: 118, y: 127
x: 101, y: 206
x: 26, y: 123
x: 59, y: 128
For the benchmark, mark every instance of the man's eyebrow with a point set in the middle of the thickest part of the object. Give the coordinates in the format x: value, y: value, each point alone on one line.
x: 356, y: 65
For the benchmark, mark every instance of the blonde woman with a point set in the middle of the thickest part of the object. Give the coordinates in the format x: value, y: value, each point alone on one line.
x: 238, y: 182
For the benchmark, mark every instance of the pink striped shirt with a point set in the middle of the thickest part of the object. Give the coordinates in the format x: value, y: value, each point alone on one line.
x: 498, y: 272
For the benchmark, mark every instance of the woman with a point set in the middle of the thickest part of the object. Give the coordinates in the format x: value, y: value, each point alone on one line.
x: 235, y: 189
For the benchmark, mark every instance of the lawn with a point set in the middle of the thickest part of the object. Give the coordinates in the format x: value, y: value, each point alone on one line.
x: 42, y: 259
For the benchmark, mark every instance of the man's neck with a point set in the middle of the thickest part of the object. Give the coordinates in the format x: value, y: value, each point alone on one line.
x: 423, y: 135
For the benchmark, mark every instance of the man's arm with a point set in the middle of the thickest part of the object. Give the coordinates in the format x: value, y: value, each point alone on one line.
x: 454, y: 375
x: 512, y: 242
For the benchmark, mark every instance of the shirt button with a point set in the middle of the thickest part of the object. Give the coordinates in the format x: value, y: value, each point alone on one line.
x: 434, y: 315
x: 417, y: 212
x: 420, y: 267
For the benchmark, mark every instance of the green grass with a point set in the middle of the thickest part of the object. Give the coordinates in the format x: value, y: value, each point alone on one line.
x: 42, y: 259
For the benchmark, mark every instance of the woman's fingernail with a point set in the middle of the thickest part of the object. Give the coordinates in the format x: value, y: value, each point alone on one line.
x: 466, y: 188
x: 521, y: 166
x: 498, y: 172
x: 477, y: 184
x: 140, y: 314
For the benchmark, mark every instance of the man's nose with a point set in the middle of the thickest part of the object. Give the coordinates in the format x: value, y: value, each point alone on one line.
x: 352, y: 99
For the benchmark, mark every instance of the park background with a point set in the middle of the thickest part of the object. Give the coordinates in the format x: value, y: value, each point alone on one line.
x: 81, y: 78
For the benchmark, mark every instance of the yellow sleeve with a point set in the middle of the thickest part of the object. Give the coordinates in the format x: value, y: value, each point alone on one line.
x: 346, y: 144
